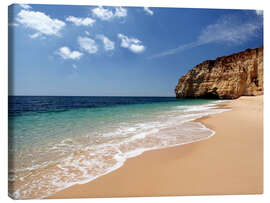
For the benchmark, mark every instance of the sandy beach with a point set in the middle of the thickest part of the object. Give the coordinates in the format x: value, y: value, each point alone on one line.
x: 230, y: 162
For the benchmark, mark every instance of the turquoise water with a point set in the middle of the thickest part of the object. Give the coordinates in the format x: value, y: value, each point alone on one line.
x: 37, y: 128
x: 53, y: 149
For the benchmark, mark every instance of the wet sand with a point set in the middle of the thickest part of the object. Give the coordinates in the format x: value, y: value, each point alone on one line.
x: 230, y: 162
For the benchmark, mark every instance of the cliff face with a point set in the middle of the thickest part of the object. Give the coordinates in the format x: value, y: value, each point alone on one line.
x: 227, y: 77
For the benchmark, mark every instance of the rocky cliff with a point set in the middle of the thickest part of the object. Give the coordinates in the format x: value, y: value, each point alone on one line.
x: 227, y: 77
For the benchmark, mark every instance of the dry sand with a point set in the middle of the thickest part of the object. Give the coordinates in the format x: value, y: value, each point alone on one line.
x: 230, y: 162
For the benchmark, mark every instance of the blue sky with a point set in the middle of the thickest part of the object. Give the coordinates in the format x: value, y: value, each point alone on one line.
x: 119, y: 51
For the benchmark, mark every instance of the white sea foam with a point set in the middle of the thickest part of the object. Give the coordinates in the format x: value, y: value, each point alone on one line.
x: 84, y: 164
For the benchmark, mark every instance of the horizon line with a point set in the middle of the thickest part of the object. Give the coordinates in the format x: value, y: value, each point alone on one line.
x: 80, y: 96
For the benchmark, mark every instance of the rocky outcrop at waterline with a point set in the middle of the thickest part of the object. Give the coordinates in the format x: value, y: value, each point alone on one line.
x: 227, y: 77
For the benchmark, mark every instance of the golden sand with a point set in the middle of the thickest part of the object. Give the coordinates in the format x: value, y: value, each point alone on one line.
x: 230, y: 162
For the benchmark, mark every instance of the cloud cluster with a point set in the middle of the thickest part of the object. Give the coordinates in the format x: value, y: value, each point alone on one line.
x: 66, y: 53
x: 90, y: 46
x: 107, y: 14
x: 108, y: 44
x: 132, y: 44
x: 44, y: 25
x: 148, y: 11
x: 81, y: 21
x: 40, y: 22
x: 87, y: 44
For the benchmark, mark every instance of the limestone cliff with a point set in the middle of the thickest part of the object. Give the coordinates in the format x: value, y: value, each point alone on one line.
x: 227, y: 77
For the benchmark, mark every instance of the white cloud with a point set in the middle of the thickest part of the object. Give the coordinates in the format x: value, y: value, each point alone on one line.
x: 66, y: 53
x: 40, y: 22
x: 25, y: 6
x: 107, y: 14
x: 102, y: 13
x: 87, y: 33
x: 108, y: 44
x: 120, y: 12
x: 81, y: 21
x: 88, y: 44
x: 229, y: 30
x: 259, y: 12
x: 132, y: 44
x: 147, y: 10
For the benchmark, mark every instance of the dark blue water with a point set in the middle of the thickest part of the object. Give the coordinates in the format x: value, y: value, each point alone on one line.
x: 18, y: 105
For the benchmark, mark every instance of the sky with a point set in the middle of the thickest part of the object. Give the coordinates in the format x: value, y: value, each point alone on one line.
x: 64, y: 50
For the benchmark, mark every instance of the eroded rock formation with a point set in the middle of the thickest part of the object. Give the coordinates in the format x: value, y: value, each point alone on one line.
x: 227, y: 77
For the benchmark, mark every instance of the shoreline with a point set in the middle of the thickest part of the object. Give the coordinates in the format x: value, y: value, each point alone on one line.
x: 172, y: 171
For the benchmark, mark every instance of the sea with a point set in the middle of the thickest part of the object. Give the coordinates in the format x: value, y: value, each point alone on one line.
x: 59, y: 141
